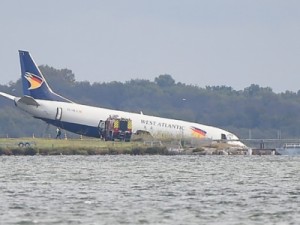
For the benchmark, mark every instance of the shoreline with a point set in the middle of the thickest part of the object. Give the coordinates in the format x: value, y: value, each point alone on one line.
x: 43, y: 146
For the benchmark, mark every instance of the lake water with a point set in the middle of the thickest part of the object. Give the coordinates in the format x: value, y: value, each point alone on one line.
x: 126, y: 189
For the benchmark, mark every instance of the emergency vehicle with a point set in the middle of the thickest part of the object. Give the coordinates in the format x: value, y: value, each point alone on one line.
x: 116, y: 128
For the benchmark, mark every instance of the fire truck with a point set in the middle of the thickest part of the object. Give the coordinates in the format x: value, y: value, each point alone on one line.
x: 116, y: 128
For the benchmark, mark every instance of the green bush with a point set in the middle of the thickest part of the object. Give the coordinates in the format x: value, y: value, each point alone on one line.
x: 30, y: 151
x: 126, y: 151
x: 5, y: 151
x: 137, y: 151
x: 17, y: 151
x: 157, y: 150
x: 198, y: 150
x: 113, y: 151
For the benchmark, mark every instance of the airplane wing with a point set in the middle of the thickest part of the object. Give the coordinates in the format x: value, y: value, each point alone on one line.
x: 25, y: 99
x: 11, y: 97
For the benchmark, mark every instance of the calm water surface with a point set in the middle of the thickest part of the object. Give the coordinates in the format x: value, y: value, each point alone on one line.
x: 149, y: 190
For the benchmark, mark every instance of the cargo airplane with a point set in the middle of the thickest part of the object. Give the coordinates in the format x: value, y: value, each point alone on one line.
x: 42, y: 103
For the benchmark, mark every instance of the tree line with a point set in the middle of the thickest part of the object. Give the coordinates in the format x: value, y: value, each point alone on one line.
x: 255, y: 111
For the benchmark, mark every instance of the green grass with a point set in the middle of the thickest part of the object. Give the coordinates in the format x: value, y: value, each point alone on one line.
x: 10, y: 146
x: 92, y: 146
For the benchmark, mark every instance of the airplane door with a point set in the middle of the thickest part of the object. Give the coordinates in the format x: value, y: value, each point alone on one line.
x: 223, y: 137
x: 58, y: 113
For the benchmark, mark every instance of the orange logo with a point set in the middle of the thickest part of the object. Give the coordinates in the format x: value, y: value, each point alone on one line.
x: 198, y: 133
x: 34, y: 80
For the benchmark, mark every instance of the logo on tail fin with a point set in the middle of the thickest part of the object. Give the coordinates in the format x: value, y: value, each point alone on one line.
x: 34, y: 80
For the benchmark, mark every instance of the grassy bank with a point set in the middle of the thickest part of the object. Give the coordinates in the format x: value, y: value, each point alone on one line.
x: 43, y: 146
x: 39, y: 146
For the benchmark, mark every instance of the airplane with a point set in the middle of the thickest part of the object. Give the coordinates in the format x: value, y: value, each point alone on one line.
x: 42, y: 103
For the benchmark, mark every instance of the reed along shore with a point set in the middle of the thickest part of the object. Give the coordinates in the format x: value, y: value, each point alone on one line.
x: 39, y: 146
x: 42, y: 146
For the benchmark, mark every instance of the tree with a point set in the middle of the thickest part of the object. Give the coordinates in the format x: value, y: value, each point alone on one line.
x: 165, y: 80
x: 256, y: 108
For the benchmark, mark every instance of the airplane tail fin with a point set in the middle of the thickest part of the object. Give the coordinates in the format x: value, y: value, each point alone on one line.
x: 34, y: 83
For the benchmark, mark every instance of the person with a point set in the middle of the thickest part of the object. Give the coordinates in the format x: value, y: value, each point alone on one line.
x: 58, y: 133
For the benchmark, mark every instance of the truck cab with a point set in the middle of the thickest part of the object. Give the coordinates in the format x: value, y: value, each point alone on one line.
x: 116, y: 128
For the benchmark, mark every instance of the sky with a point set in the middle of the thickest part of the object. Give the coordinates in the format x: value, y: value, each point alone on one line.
x: 204, y: 43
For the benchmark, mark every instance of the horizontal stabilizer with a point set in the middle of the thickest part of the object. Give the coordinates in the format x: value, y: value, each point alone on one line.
x: 28, y: 101
x: 11, y: 97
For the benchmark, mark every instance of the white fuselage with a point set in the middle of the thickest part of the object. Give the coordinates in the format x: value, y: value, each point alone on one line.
x: 88, y: 116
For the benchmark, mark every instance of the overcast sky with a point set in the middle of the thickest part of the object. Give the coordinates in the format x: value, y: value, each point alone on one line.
x: 202, y: 42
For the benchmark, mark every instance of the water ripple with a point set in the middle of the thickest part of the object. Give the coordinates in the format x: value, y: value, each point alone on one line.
x: 127, y: 189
